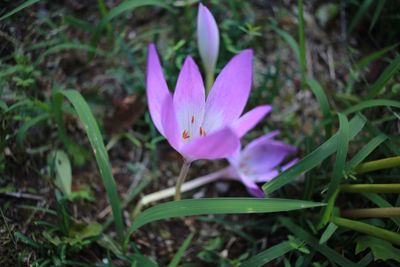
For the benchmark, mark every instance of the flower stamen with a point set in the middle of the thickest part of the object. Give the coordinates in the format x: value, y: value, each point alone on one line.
x: 192, y: 119
x: 185, y: 135
x: 202, y: 132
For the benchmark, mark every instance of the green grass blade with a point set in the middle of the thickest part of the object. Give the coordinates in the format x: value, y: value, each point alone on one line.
x: 338, y: 169
x: 268, y: 255
x: 341, y: 153
x: 358, y: 16
x: 290, y: 41
x: 178, y: 256
x: 377, y: 13
x: 388, y: 73
x: 368, y: 229
x: 21, y: 133
x: 382, y: 203
x: 125, y: 6
x: 302, y: 41
x: 321, y: 97
x: 18, y: 8
x: 93, y: 132
x: 314, y: 158
x: 68, y: 46
x: 374, y: 56
x: 314, y: 243
x: 190, y: 207
x: 370, y: 104
x: 365, y: 151
x: 329, y: 231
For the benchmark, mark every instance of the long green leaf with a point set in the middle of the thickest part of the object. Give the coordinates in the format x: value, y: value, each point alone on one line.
x: 93, y: 132
x: 290, y: 41
x: 18, y: 8
x: 321, y: 97
x: 370, y: 104
x: 365, y: 151
x: 359, y: 14
x: 338, y: 168
x: 341, y: 153
x: 314, y: 158
x: 377, y: 13
x: 374, y: 56
x: 388, y: 73
x: 314, y: 243
x: 268, y: 255
x: 179, y: 254
x: 190, y: 207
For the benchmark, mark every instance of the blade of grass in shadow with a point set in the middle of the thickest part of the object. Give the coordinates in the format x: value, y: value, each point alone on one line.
x: 314, y: 243
x: 290, y: 41
x: 368, y: 229
x: 314, y: 158
x: 125, y: 6
x: 358, y: 16
x: 338, y: 169
x: 365, y: 151
x: 370, y: 104
x: 382, y: 203
x: 179, y: 254
x: 323, y: 103
x: 268, y: 255
x: 190, y: 207
x: 302, y: 42
x: 18, y: 8
x: 374, y: 56
x: 388, y: 73
x: 93, y: 132
x: 378, y: 10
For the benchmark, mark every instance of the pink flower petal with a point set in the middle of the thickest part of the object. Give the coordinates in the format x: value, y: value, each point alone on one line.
x: 157, y: 89
x: 230, y: 92
x: 217, y: 145
x: 189, y: 99
x: 250, y: 119
x: 266, y: 155
x: 207, y: 38
x: 268, y: 176
x: 251, y: 186
x: 170, y: 123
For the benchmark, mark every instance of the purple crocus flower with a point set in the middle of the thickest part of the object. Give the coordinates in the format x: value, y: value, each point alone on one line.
x: 195, y: 127
x: 207, y: 38
x: 259, y: 162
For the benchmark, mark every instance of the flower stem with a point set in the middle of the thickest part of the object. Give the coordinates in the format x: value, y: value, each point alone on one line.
x: 188, y: 186
x: 367, y: 229
x: 372, y: 188
x: 371, y: 213
x: 378, y: 165
x: 181, y: 178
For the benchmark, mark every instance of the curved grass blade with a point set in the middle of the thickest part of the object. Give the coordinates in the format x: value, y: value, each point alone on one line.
x: 93, y: 132
x: 377, y: 13
x: 323, y: 103
x: 21, y: 133
x: 68, y: 46
x: 365, y: 151
x: 314, y: 243
x: 382, y: 203
x: 358, y: 16
x: 18, y: 8
x: 268, y: 255
x: 374, y: 56
x: 314, y: 158
x: 338, y: 169
x: 370, y: 104
x: 388, y: 73
x: 341, y: 153
x: 125, y: 6
x: 368, y: 229
x: 302, y: 41
x: 190, y: 207
x: 179, y: 254
x: 290, y: 41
